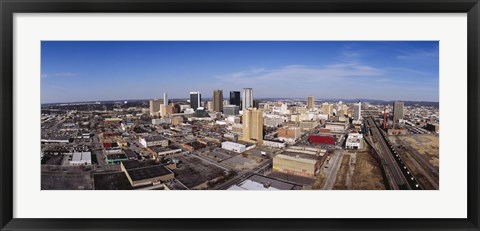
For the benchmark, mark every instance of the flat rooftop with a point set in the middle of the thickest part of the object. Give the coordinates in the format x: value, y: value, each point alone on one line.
x: 131, y: 164
x: 82, y: 156
x: 130, y: 153
x: 294, y: 155
x: 162, y: 149
x: 154, y: 138
x: 259, y: 182
x: 193, y: 171
x: 148, y: 172
x: 116, y: 156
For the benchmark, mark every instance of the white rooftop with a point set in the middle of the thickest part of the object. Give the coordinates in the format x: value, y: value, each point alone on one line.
x: 82, y: 156
x: 251, y: 185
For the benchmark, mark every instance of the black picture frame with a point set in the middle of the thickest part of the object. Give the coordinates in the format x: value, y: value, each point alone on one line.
x: 9, y: 7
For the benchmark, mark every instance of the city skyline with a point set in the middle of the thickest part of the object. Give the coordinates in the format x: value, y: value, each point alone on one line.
x: 98, y: 71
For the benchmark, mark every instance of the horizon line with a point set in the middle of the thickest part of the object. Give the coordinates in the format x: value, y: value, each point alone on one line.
x: 319, y: 99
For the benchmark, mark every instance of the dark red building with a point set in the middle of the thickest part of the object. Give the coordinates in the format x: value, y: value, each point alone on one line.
x: 321, y: 139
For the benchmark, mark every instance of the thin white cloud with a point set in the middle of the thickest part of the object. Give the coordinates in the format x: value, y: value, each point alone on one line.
x: 58, y: 74
x: 409, y: 71
x: 419, y: 54
x: 300, y: 73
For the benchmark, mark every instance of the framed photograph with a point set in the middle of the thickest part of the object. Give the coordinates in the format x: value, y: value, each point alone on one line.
x: 261, y: 115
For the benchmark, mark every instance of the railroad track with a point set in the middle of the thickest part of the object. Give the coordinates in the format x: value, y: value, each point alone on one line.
x: 399, y: 176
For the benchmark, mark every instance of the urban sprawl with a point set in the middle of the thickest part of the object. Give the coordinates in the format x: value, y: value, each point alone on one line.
x: 239, y: 142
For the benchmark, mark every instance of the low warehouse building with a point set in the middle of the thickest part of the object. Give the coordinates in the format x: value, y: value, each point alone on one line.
x: 145, y: 173
x: 300, y: 161
x: 81, y: 158
x: 235, y: 147
x: 153, y: 141
x: 321, y: 139
x: 354, y: 141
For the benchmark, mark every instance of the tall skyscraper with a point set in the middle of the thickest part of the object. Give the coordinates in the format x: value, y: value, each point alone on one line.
x: 195, y: 100
x: 357, y: 111
x: 256, y: 103
x: 235, y: 98
x: 252, y: 125
x: 218, y: 100
x: 155, y: 106
x: 165, y: 99
x: 397, y: 111
x: 310, y: 103
x: 210, y: 106
x: 247, y: 99
x: 327, y: 109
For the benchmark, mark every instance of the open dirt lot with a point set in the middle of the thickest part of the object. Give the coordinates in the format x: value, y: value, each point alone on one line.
x: 193, y: 171
x: 367, y: 174
x: 342, y: 173
x: 66, y: 180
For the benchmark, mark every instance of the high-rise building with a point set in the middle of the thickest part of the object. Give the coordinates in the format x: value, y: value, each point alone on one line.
x: 357, y: 111
x: 252, y: 125
x: 327, y: 109
x: 209, y: 105
x: 218, y: 100
x: 226, y: 102
x: 195, y: 100
x: 247, y: 98
x: 166, y: 110
x: 231, y: 110
x: 165, y: 99
x: 155, y: 106
x: 235, y: 98
x: 310, y: 103
x: 256, y: 104
x: 397, y: 111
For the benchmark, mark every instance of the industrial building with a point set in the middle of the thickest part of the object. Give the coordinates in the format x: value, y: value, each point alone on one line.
x: 81, y: 158
x: 259, y: 182
x: 274, y: 143
x: 321, y: 139
x: 165, y: 151
x: 354, y: 141
x: 131, y: 155
x: 289, y: 134
x: 336, y: 127
x: 308, y: 125
x: 153, y: 141
x: 115, y: 158
x: 145, y: 173
x: 234, y: 147
x: 300, y: 161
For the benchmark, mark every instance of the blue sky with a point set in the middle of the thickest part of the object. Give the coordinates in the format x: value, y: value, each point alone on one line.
x: 95, y: 70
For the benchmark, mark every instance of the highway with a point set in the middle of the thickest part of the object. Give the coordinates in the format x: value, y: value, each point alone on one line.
x: 398, y: 175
